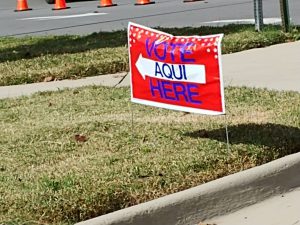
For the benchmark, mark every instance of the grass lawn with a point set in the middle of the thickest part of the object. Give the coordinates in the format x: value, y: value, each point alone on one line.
x: 71, y: 155
x: 35, y: 59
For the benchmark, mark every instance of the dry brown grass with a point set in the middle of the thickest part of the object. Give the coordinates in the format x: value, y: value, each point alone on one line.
x: 49, y: 176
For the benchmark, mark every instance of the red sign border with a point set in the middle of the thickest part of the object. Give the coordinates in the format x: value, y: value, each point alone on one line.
x: 176, y: 107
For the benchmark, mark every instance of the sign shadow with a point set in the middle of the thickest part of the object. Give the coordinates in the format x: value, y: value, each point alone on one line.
x: 283, y: 139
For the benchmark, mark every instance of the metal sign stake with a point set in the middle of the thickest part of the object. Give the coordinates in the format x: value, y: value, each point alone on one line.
x: 227, y: 135
x: 285, y: 15
x: 131, y: 111
x: 258, y: 15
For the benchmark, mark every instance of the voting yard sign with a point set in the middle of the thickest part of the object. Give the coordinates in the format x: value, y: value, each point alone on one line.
x: 176, y: 72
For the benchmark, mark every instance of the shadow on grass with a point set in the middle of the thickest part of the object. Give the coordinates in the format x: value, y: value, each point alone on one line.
x: 283, y: 139
x: 54, y: 45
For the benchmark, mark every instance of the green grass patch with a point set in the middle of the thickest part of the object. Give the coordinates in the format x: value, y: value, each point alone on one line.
x: 71, y: 155
x: 32, y: 59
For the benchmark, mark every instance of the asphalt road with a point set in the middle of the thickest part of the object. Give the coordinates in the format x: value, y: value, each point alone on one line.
x: 84, y: 17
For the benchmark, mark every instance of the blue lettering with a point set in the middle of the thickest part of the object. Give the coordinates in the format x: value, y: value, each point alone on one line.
x: 161, y: 49
x: 184, y: 51
x: 174, y: 72
x: 180, y: 91
x: 191, y: 93
x: 174, y: 91
x: 177, y: 72
x: 183, y: 71
x: 149, y: 51
x: 173, y: 47
x: 164, y: 55
x: 157, y: 70
x: 156, y: 88
x: 169, y: 73
x: 167, y: 90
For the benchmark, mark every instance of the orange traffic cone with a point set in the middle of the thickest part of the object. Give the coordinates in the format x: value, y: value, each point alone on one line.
x: 106, y: 3
x: 60, y: 4
x: 192, y: 0
x: 22, y: 6
x: 143, y: 2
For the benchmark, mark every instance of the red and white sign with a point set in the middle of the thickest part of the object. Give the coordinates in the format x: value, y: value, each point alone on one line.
x: 176, y: 72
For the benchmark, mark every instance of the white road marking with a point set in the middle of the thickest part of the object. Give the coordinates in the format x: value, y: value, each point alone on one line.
x: 251, y: 21
x: 63, y: 17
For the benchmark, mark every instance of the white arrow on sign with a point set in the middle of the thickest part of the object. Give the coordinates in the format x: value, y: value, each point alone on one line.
x: 194, y: 73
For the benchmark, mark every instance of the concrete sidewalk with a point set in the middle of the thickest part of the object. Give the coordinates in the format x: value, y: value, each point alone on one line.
x: 28, y: 89
x: 276, y: 67
x: 280, y: 210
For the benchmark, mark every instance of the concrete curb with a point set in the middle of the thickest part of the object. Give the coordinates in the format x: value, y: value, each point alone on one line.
x: 212, y: 199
